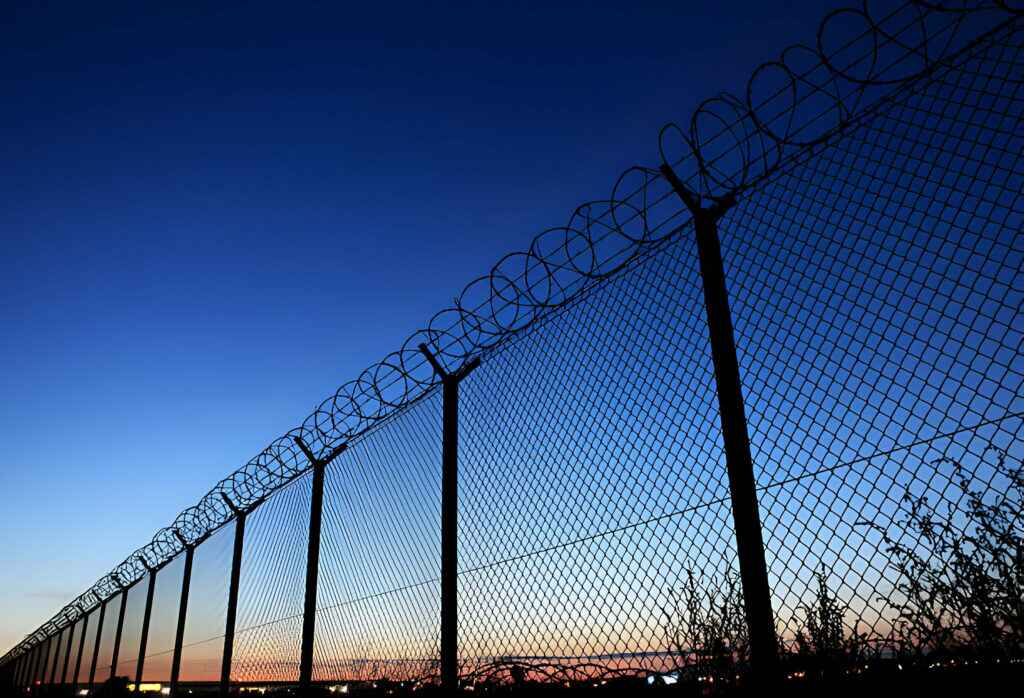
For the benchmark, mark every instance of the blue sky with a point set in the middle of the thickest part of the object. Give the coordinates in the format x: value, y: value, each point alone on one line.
x: 213, y: 217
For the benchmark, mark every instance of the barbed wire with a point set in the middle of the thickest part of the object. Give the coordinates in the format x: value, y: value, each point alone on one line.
x: 731, y: 143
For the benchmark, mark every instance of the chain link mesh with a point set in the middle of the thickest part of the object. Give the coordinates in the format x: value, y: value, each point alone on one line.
x: 202, y: 647
x: 874, y: 272
x: 877, y: 295
x: 88, y: 649
x: 272, y: 587
x: 108, y: 633
x: 378, y: 594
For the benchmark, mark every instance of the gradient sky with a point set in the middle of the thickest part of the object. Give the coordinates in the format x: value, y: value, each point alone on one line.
x: 211, y: 218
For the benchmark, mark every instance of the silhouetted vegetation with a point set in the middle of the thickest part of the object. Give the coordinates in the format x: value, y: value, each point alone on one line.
x: 824, y: 648
x: 114, y: 687
x: 956, y: 605
x: 708, y: 631
x: 959, y: 591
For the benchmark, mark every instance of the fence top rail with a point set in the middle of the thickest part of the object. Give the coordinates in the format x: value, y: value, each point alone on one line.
x: 730, y: 144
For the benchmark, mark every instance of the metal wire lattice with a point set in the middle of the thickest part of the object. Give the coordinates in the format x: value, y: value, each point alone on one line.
x: 872, y: 196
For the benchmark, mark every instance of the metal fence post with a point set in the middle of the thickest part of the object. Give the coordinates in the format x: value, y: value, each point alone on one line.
x: 52, y: 668
x: 30, y: 667
x: 44, y: 660
x: 48, y: 669
x: 59, y: 637
x: 736, y: 440
x: 19, y: 671
x: 96, y: 645
x: 31, y: 676
x: 81, y: 648
x: 30, y: 670
x: 67, y: 654
x: 229, y: 621
x: 312, y: 562
x: 449, y: 516
x: 179, y: 636
x: 40, y: 670
x: 117, y: 633
x: 56, y: 657
x: 145, y: 627
x: 33, y: 671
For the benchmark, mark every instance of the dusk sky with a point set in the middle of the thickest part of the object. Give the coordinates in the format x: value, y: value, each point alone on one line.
x: 211, y: 218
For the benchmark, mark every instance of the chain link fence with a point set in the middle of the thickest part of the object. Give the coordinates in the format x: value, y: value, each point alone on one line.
x: 869, y: 212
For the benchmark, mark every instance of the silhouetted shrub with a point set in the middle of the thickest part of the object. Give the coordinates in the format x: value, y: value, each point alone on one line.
x: 959, y: 591
x: 113, y: 687
x: 824, y: 648
x: 708, y: 631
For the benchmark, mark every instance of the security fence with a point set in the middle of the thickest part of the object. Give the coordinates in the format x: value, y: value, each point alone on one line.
x: 591, y: 466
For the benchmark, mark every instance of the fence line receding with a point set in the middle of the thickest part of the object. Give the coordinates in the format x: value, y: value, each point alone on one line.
x: 770, y: 387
